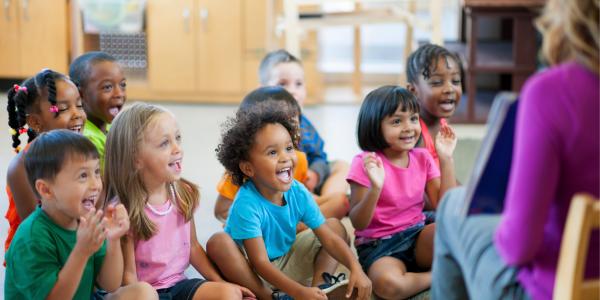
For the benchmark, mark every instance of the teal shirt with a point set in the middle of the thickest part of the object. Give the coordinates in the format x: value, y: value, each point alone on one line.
x: 97, y: 137
x: 38, y: 252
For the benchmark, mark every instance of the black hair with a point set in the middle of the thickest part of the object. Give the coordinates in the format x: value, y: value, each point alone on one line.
x: 80, y: 68
x: 47, y: 155
x: 274, y: 93
x: 22, y: 101
x: 425, y: 59
x: 272, y: 59
x: 378, y: 104
x: 238, y: 135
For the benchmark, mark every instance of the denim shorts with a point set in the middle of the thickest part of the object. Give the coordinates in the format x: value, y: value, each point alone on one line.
x: 400, y: 245
x: 184, y: 290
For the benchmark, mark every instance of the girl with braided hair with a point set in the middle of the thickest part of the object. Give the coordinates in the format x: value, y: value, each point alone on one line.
x: 47, y: 101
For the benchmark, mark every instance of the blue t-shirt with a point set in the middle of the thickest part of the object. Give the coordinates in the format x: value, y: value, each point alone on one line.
x: 251, y: 215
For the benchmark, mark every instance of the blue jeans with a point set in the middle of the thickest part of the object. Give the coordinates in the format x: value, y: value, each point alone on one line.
x: 466, y: 263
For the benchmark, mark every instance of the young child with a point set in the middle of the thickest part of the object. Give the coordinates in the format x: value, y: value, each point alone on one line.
x: 280, y: 68
x: 65, y: 248
x: 47, y: 101
x: 434, y: 75
x: 102, y: 86
x: 257, y: 148
x: 387, y: 184
x: 331, y: 207
x: 143, y: 170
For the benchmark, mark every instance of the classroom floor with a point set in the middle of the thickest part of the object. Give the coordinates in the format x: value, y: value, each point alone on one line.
x: 200, y: 125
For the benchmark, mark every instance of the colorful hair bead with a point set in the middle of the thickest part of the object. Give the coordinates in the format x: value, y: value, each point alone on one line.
x: 22, y: 130
x: 54, y: 109
x: 12, y: 131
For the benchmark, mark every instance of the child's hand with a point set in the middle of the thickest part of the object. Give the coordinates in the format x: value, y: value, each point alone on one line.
x: 246, y: 293
x: 311, y: 181
x: 90, y: 233
x: 362, y: 283
x: 374, y: 167
x: 445, y: 141
x: 117, y: 221
x: 311, y: 293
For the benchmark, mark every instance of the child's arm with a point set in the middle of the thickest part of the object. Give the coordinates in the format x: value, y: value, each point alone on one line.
x: 23, y: 195
x: 129, y: 269
x: 338, y: 249
x: 445, y: 143
x: 117, y: 224
x: 222, y: 208
x: 90, y: 237
x: 257, y: 255
x: 199, y: 259
x: 362, y: 199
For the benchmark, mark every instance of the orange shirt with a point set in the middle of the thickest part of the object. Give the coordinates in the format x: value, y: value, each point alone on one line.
x: 227, y: 189
x: 11, y: 214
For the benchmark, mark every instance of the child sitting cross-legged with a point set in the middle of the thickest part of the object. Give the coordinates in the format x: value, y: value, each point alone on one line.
x: 260, y: 249
x: 66, y: 248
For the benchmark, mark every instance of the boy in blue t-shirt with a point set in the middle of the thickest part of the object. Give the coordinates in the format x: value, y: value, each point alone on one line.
x: 258, y: 150
x: 65, y: 249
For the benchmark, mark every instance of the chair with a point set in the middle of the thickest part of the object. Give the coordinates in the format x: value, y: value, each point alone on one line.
x: 584, y: 215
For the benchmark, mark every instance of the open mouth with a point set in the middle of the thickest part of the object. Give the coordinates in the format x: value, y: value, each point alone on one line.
x: 89, y: 202
x: 114, y: 111
x: 175, y: 166
x: 407, y: 139
x: 76, y: 128
x: 285, y: 175
x: 448, y: 105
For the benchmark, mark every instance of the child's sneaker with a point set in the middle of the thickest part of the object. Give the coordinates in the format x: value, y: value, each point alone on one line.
x: 279, y: 295
x: 335, y: 286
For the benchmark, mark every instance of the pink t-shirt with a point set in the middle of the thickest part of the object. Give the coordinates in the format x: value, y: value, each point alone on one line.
x: 400, y: 204
x: 163, y: 258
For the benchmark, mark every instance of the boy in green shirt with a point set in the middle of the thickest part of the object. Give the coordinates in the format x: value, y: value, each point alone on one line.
x: 65, y: 247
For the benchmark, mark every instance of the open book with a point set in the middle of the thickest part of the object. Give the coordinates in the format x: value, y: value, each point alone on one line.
x: 486, y: 188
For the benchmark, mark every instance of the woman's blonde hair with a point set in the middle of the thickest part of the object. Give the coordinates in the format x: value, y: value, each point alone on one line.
x: 570, y: 30
x: 122, y: 178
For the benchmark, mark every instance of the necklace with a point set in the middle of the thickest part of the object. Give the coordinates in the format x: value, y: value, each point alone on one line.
x: 170, y: 200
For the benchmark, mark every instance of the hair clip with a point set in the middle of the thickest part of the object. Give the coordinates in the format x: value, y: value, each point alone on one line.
x: 18, y: 88
x: 54, y: 109
x: 12, y: 131
x: 22, y: 130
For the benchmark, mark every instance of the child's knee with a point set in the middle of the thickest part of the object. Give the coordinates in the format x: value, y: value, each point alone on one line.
x: 219, y: 243
x: 386, y: 284
x: 142, y: 290
x: 337, y: 227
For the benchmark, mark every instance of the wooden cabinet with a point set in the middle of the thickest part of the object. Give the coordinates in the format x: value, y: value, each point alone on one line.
x: 33, y: 36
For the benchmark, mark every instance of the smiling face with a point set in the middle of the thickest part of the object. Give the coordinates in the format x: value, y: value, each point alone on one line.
x: 104, y: 92
x: 70, y: 110
x: 74, y: 191
x: 401, y: 130
x: 440, y: 93
x: 290, y: 76
x: 271, y: 163
x: 160, y: 152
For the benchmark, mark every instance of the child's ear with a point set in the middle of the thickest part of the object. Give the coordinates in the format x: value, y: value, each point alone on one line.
x: 411, y: 88
x: 43, y: 188
x: 246, y: 168
x: 34, y: 122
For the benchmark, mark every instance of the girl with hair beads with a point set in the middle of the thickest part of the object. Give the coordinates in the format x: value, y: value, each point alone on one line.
x: 47, y: 101
x: 143, y: 171
x: 102, y: 85
x: 434, y: 76
x: 387, y: 184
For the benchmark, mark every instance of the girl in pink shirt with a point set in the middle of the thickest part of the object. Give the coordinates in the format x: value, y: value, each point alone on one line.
x: 143, y: 170
x: 387, y: 183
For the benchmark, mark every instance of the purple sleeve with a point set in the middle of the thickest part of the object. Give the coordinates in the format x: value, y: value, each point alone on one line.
x: 357, y: 172
x: 534, y: 172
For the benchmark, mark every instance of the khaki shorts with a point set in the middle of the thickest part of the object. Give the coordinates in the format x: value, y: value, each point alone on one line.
x: 297, y: 264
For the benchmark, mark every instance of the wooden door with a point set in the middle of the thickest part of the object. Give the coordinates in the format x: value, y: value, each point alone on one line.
x: 43, y: 36
x: 219, y: 46
x: 171, y: 45
x: 10, y: 63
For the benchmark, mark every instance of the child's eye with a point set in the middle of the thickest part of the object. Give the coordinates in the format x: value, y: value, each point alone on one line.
x: 84, y: 175
x: 289, y: 148
x: 107, y: 87
x: 272, y: 153
x: 456, y: 82
x: 396, y: 121
x: 178, y: 137
x: 414, y: 119
x: 436, y: 82
x: 97, y: 172
x: 123, y: 85
x: 164, y: 143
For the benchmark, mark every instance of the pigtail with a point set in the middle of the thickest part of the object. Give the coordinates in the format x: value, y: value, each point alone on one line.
x: 13, y: 119
x: 48, y: 79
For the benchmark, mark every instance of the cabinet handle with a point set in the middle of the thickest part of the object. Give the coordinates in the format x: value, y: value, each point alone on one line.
x: 204, y: 18
x: 7, y: 9
x: 25, y: 4
x: 186, y: 19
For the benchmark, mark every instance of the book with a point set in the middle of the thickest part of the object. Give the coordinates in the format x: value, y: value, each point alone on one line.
x: 486, y: 188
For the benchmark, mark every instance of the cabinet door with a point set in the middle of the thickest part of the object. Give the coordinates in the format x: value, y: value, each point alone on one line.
x: 171, y: 45
x: 219, y: 46
x: 43, y: 36
x: 9, y: 40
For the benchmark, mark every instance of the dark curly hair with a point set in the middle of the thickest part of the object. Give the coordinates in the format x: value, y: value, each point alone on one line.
x: 239, y: 133
x: 425, y: 59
